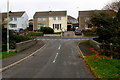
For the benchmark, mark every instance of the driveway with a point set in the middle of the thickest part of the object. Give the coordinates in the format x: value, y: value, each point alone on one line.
x: 58, y: 59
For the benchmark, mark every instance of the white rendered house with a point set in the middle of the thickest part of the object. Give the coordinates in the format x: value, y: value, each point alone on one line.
x: 17, y: 20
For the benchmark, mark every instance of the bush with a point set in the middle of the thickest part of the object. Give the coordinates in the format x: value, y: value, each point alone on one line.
x: 4, y: 47
x: 13, y: 39
x: 89, y: 33
x: 35, y: 34
x: 47, y: 30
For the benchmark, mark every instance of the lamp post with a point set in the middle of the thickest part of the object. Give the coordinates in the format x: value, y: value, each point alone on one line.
x: 8, y: 26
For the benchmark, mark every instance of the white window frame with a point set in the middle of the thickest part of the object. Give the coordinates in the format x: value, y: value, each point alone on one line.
x: 11, y: 25
x: 59, y: 18
x: 54, y: 18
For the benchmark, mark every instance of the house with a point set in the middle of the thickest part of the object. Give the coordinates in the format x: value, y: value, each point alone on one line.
x: 71, y: 22
x: 57, y: 20
x: 16, y: 20
x: 30, y: 28
x: 84, y: 17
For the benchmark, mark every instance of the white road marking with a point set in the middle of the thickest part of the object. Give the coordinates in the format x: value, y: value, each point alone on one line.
x: 55, y: 58
x: 59, y: 47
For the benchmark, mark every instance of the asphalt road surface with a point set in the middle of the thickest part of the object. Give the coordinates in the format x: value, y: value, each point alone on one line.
x: 58, y: 59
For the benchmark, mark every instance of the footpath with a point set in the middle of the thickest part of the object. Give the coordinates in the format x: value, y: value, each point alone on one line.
x: 85, y: 47
x: 23, y: 54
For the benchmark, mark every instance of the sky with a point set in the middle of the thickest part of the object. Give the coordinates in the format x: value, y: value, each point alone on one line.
x: 72, y: 6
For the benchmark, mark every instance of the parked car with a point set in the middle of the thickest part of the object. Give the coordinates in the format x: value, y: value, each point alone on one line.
x: 78, y: 31
x: 18, y: 30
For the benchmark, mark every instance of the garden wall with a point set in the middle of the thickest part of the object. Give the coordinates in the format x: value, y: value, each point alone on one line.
x: 24, y: 45
x: 95, y: 44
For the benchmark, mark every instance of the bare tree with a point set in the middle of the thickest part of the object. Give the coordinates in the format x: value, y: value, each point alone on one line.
x: 113, y: 6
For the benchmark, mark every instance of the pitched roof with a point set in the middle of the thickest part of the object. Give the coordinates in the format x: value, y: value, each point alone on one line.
x: 96, y: 11
x: 70, y: 17
x: 13, y: 14
x: 50, y: 13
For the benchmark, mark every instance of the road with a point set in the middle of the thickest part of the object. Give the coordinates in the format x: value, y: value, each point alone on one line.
x: 58, y: 59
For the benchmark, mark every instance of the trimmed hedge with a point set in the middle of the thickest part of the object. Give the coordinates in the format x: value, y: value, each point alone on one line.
x: 35, y: 34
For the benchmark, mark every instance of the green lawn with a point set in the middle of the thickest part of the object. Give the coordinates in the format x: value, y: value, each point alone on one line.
x: 104, y: 68
x: 5, y: 54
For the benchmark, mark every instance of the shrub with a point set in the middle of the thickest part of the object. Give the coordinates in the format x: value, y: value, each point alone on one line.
x: 4, y: 47
x: 47, y: 30
x: 13, y: 39
x: 35, y: 34
x: 89, y: 33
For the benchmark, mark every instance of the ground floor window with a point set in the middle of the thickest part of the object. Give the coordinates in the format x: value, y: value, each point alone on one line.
x: 41, y: 25
x: 13, y: 25
x: 57, y: 26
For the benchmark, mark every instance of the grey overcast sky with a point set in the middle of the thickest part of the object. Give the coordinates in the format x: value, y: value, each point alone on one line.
x: 72, y: 6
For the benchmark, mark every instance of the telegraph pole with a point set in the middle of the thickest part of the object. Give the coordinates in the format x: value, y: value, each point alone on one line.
x: 8, y: 26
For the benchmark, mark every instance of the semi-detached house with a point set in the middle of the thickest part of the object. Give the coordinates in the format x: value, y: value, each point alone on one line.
x: 17, y: 20
x: 57, y: 20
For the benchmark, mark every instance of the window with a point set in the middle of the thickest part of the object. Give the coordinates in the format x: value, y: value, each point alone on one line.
x: 11, y: 18
x: 44, y: 19
x: 57, y: 26
x: 41, y: 25
x: 54, y: 18
x: 41, y: 19
x: 13, y: 25
x: 15, y: 18
x: 59, y: 18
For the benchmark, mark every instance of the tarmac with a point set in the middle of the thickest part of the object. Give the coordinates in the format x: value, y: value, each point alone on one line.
x: 23, y: 54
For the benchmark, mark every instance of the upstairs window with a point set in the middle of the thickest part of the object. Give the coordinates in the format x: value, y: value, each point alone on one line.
x: 15, y: 18
x: 59, y: 18
x: 54, y: 18
x: 41, y: 19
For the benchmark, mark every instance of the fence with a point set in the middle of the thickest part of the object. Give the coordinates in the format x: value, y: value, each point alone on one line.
x: 106, y: 49
x: 110, y: 50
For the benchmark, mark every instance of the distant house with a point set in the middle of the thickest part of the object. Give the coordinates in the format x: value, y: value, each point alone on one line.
x: 30, y: 28
x: 71, y: 22
x: 84, y: 17
x: 16, y: 20
x: 57, y: 20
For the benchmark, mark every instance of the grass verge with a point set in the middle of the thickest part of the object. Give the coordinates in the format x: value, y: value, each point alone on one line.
x: 103, y: 67
x: 6, y: 55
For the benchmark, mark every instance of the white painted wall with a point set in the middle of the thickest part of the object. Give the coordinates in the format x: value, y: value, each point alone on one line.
x: 22, y: 22
x: 63, y: 23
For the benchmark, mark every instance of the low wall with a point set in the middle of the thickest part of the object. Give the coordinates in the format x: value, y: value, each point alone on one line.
x: 95, y: 44
x: 24, y: 45
x: 52, y: 35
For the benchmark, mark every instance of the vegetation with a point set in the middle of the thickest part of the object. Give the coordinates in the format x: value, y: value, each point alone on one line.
x: 104, y: 67
x: 112, y: 6
x: 5, y: 54
x: 89, y: 33
x: 108, y: 28
x: 47, y: 30
x: 35, y: 34
x: 14, y: 38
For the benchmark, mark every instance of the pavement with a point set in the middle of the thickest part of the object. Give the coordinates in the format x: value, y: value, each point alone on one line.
x: 85, y: 47
x: 23, y: 54
x: 58, y: 59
